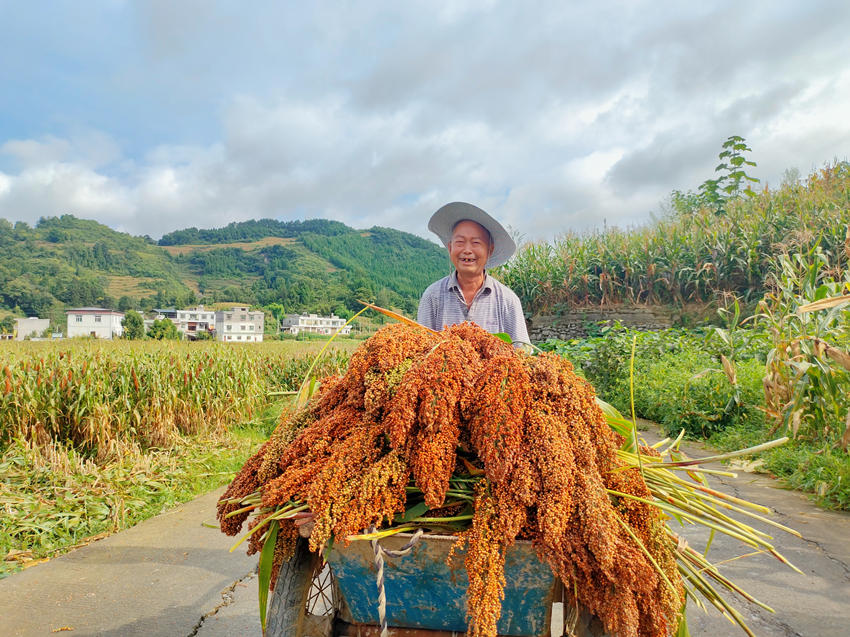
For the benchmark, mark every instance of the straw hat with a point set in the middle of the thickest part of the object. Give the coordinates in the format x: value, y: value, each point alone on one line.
x: 443, y: 221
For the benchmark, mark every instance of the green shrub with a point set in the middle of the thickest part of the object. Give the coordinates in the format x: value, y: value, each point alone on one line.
x: 826, y: 474
x: 688, y: 390
x: 678, y: 377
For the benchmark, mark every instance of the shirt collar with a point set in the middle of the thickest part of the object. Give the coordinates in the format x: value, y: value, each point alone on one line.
x: 488, y: 282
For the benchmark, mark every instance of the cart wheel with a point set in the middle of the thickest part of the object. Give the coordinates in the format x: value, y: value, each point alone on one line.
x: 305, y: 601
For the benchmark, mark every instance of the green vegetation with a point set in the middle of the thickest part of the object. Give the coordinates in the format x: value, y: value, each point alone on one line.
x: 729, y: 185
x: 134, y: 325
x: 691, y: 254
x: 96, y: 436
x: 163, y: 330
x: 316, y: 265
x: 56, y: 500
x: 253, y: 231
x: 680, y: 382
x: 782, y: 255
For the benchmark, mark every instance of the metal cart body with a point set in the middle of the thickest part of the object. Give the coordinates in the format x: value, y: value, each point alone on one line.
x: 423, y: 592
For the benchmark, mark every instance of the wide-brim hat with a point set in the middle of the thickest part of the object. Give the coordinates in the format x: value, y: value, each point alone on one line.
x: 444, y: 220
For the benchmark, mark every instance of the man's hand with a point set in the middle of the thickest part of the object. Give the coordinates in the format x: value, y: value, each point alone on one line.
x: 304, y: 522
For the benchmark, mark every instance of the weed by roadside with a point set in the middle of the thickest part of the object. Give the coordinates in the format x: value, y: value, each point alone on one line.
x: 680, y: 384
x: 53, y: 499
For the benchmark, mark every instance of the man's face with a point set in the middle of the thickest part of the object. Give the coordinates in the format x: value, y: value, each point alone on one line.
x: 470, y: 248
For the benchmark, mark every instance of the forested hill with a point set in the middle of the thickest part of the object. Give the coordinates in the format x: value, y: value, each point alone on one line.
x: 316, y: 265
x: 254, y: 230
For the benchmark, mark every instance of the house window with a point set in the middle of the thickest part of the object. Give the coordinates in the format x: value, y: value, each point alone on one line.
x: 243, y: 327
x: 97, y: 318
x: 79, y: 318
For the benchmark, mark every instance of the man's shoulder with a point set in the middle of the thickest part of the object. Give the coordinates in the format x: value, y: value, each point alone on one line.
x: 437, y: 287
x: 507, y: 294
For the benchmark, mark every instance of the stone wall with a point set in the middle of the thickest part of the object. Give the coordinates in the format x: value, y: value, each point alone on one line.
x: 573, y: 324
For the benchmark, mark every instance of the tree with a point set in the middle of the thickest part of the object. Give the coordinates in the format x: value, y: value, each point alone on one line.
x: 163, y: 329
x: 732, y: 164
x: 732, y: 183
x: 277, y: 311
x: 134, y: 325
x: 7, y: 325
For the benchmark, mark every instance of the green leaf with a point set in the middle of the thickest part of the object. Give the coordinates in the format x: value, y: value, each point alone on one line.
x: 504, y: 337
x: 264, y: 575
x: 682, y: 629
x: 328, y: 548
x: 412, y: 512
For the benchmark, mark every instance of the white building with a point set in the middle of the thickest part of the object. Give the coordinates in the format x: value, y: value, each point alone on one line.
x: 189, y: 322
x: 295, y: 323
x: 239, y: 324
x: 193, y: 321
x: 31, y: 326
x: 94, y: 321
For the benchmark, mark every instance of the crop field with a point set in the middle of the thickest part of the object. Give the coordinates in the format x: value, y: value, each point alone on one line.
x: 98, y: 435
x: 105, y: 397
x: 692, y: 255
x: 242, y: 245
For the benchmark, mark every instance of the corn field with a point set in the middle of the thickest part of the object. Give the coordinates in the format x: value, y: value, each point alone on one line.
x: 688, y: 256
x: 107, y: 398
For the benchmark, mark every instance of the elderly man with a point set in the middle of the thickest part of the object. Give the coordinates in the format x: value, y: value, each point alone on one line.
x: 475, y: 242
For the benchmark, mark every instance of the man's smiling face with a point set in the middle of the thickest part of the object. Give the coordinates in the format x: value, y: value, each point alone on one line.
x: 470, y: 248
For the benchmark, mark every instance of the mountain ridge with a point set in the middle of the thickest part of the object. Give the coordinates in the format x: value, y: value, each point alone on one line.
x: 314, y: 265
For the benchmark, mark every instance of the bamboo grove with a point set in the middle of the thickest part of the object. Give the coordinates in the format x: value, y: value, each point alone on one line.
x: 106, y: 398
x: 689, y: 255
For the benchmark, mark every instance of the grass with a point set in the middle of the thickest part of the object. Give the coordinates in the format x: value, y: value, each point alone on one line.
x: 674, y: 388
x: 242, y: 245
x: 138, y: 286
x: 822, y: 472
x: 53, y: 500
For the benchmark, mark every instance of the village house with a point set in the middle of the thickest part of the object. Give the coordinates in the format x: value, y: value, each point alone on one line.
x: 190, y: 322
x: 195, y: 321
x: 94, y: 321
x: 295, y: 323
x: 32, y: 326
x: 239, y: 324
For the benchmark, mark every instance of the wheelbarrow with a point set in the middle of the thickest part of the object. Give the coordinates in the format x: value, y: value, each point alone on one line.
x: 425, y: 597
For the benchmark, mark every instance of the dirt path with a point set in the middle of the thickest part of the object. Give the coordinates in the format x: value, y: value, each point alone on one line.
x: 171, y: 576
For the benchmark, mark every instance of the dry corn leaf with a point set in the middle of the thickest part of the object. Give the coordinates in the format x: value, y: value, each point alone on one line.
x: 823, y: 304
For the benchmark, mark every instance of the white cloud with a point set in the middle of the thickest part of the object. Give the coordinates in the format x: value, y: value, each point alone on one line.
x: 552, y: 119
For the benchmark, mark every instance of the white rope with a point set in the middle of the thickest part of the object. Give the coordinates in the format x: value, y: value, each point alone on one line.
x: 380, y: 552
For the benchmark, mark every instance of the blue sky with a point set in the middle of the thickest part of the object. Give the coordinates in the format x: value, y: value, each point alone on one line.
x: 553, y: 116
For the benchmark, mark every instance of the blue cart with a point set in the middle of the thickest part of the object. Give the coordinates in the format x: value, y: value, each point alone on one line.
x: 424, y: 597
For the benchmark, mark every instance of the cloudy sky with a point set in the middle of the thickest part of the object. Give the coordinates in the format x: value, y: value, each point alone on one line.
x: 554, y: 116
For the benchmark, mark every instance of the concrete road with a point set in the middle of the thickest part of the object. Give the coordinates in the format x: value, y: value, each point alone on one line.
x: 171, y: 576
x: 815, y: 604
x: 159, y: 578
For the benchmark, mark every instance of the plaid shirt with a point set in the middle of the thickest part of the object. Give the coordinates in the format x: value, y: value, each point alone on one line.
x: 495, y: 307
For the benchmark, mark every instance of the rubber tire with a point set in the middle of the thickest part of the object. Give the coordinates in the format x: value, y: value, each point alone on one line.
x: 288, y: 606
